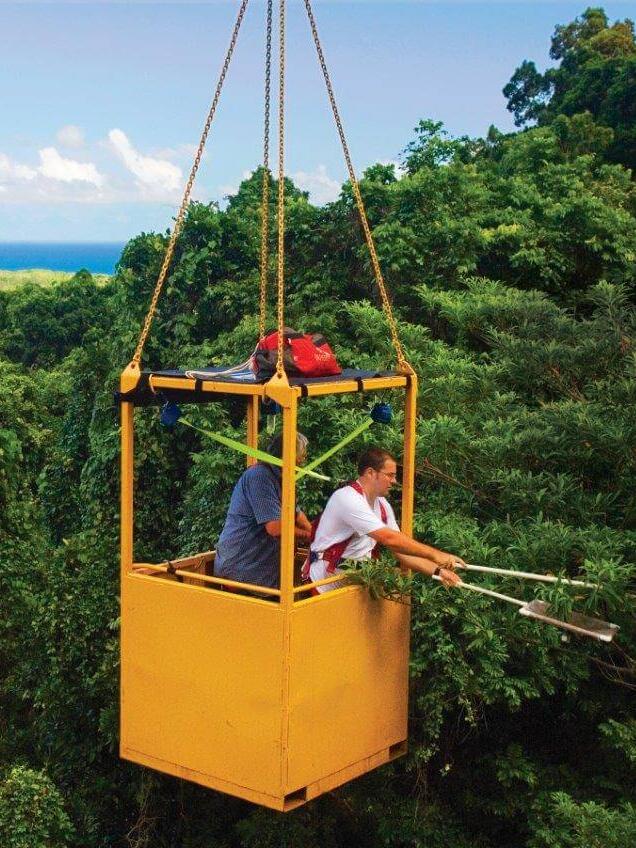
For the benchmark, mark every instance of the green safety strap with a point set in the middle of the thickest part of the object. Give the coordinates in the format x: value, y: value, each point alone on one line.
x: 308, y: 469
x: 253, y: 452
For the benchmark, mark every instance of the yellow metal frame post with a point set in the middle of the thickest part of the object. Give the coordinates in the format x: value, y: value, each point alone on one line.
x: 408, y: 457
x: 287, y: 546
x: 288, y: 500
x: 127, y: 486
x: 126, y: 527
x: 253, y: 408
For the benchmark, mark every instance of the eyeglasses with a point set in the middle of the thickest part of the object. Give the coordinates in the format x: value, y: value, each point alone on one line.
x: 391, y: 476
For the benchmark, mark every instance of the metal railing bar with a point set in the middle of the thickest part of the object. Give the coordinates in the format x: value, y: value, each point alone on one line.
x: 307, y: 586
x: 221, y: 581
x: 194, y: 559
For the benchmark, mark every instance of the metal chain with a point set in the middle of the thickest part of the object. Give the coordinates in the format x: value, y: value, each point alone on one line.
x: 280, y: 370
x: 386, y: 303
x: 188, y: 190
x: 265, y: 207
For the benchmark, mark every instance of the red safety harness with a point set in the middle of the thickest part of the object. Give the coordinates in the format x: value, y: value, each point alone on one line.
x: 333, y: 554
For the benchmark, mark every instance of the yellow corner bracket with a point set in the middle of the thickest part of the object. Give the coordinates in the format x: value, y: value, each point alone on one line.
x: 279, y: 390
x: 130, y: 377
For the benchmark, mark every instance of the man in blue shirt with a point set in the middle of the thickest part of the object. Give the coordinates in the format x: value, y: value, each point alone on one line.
x: 249, y: 546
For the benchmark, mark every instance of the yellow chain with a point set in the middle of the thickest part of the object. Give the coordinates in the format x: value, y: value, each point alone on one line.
x: 186, y: 197
x: 386, y: 303
x: 265, y: 207
x: 280, y: 370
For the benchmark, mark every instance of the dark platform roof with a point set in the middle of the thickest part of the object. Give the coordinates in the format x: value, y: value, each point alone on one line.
x: 155, y: 387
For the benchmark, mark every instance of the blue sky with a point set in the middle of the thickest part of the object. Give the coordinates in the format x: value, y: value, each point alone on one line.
x: 102, y: 103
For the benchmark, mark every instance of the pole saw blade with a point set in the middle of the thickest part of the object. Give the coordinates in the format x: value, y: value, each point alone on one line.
x: 582, y: 625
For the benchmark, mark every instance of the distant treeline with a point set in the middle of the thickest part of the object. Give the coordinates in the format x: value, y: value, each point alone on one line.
x: 38, y: 276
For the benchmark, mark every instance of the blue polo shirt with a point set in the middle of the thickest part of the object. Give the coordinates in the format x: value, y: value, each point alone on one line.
x: 245, y: 551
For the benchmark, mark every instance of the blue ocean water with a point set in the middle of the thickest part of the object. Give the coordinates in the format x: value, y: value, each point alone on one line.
x: 96, y: 257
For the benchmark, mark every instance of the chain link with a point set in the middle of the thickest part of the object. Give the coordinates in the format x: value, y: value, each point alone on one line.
x: 188, y: 190
x: 386, y: 303
x: 266, y: 175
x: 280, y: 370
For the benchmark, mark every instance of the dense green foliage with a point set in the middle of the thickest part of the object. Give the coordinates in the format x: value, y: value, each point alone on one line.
x: 32, y: 811
x: 512, y: 262
x: 596, y: 76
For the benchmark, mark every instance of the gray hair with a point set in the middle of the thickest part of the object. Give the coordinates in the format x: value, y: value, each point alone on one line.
x: 275, y: 446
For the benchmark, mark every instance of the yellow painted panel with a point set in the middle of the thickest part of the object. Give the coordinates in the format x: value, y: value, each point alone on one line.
x: 318, y: 389
x: 274, y: 802
x: 262, y: 389
x: 157, y: 382
x: 348, y: 684
x: 331, y: 781
x: 202, y: 681
x: 187, y: 385
x: 375, y: 383
x: 253, y: 389
x: 370, y: 384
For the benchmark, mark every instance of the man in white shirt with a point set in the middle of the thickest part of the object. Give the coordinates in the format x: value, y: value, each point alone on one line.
x: 358, y: 518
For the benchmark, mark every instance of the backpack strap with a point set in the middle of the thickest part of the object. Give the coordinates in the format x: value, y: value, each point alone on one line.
x: 383, y: 513
x: 375, y: 553
x: 333, y: 554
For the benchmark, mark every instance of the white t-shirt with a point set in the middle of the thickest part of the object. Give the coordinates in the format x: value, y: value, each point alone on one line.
x: 348, y: 513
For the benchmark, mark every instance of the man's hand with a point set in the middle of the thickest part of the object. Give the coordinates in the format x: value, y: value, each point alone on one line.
x: 420, y: 557
x: 449, y: 579
x: 449, y: 561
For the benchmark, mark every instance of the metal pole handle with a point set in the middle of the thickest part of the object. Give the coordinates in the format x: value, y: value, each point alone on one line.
x: 489, y: 592
x: 529, y: 575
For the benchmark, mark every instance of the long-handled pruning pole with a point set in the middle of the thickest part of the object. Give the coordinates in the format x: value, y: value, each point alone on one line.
x: 582, y: 625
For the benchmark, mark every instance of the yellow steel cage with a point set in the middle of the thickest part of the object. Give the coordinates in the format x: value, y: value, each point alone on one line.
x: 272, y: 702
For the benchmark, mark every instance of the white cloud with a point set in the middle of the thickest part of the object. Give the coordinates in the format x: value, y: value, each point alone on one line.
x: 56, y: 167
x: 11, y: 171
x: 56, y: 178
x: 70, y: 136
x: 154, y: 175
x: 227, y: 190
x: 23, y: 172
x: 181, y: 151
x: 321, y: 187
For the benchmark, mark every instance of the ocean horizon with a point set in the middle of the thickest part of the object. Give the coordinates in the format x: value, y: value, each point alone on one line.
x: 96, y: 257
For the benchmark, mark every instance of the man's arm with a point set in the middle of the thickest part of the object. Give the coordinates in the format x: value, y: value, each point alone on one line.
x: 302, y: 522
x: 399, y: 543
x: 302, y: 530
x: 427, y: 566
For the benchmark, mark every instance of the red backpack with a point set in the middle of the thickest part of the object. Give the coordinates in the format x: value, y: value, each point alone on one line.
x: 304, y: 355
